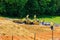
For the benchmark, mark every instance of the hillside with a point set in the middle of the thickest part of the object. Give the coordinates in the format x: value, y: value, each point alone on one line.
x: 26, y: 32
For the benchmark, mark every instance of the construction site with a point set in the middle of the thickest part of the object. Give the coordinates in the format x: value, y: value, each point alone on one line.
x: 25, y: 30
x: 29, y: 19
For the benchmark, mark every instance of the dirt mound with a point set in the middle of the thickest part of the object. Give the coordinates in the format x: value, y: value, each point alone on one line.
x: 26, y: 32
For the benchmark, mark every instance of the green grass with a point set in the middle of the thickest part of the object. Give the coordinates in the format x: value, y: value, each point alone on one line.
x: 55, y: 19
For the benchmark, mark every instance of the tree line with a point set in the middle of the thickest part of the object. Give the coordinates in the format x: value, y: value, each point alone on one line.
x: 20, y: 8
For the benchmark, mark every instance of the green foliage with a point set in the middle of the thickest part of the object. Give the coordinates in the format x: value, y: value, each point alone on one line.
x: 20, y: 8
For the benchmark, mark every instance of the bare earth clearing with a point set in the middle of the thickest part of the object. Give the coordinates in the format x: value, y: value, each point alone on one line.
x: 9, y: 30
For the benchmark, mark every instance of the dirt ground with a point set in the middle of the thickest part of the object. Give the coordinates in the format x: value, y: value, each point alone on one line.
x: 13, y: 31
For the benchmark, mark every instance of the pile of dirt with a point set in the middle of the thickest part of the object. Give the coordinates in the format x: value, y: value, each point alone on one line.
x: 26, y: 32
x: 9, y: 28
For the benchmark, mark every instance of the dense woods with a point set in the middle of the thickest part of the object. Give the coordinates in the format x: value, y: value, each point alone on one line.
x: 20, y: 8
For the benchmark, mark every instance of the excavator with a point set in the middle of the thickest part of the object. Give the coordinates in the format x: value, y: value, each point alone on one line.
x: 36, y: 21
x: 28, y: 21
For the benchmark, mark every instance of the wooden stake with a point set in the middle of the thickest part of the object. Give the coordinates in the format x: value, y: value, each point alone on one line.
x: 34, y: 36
x: 12, y: 37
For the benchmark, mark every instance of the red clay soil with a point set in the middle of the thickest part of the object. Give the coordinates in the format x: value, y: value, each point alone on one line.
x: 13, y: 31
x: 39, y: 36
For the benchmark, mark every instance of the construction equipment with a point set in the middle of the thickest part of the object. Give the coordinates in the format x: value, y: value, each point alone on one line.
x: 36, y: 21
x: 18, y: 21
x: 27, y: 20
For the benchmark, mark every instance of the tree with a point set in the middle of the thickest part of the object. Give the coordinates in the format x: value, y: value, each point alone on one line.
x: 20, y: 8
